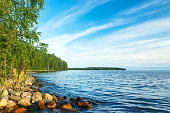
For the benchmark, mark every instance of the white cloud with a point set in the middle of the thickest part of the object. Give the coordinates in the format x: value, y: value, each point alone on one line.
x: 79, y: 9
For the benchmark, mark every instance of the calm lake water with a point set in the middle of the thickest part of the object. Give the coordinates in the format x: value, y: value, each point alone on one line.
x: 116, y: 91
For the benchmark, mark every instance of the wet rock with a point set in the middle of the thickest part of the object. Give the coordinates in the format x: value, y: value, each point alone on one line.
x: 36, y: 96
x: 20, y: 110
x: 79, y: 99
x: 51, y: 104
x: 47, y: 97
x: 15, y: 98
x: 41, y: 104
x: 65, y: 97
x: 84, y: 104
x: 94, y: 103
x: 3, y: 103
x: 33, y: 108
x: 60, y: 98
x: 56, y: 94
x: 26, y: 94
x: 65, y: 105
x: 5, y: 92
x: 73, y: 99
x: 25, y: 102
x: 55, y: 98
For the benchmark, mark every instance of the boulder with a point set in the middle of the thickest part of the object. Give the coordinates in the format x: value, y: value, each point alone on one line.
x: 84, y: 104
x: 65, y: 105
x: 47, y: 97
x: 20, y: 110
x: 51, y: 104
x: 26, y: 94
x: 3, y: 103
x: 10, y: 106
x: 17, y: 94
x: 5, y: 92
x: 28, y: 83
x: 36, y: 96
x: 25, y: 102
x: 15, y: 98
x: 41, y: 104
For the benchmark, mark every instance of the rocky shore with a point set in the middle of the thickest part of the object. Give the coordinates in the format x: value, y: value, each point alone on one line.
x: 30, y: 99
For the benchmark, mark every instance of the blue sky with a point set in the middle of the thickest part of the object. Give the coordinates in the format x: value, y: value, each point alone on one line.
x: 134, y: 34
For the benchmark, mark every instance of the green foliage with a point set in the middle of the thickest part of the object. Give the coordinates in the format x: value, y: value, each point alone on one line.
x: 18, y: 36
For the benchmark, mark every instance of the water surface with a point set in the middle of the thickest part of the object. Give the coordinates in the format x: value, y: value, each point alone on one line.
x: 116, y: 91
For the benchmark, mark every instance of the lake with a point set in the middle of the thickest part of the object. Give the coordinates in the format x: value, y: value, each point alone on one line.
x: 115, y: 91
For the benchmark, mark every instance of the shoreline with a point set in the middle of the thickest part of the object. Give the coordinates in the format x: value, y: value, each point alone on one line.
x: 29, y: 98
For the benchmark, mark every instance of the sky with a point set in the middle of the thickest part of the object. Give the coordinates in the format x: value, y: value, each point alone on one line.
x: 132, y: 34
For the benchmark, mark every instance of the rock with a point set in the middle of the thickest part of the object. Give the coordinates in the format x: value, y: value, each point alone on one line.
x: 26, y: 94
x: 15, y: 98
x: 56, y: 94
x: 41, y: 104
x: 60, y: 98
x: 33, y: 108
x: 20, y: 110
x: 65, y: 105
x: 55, y: 98
x: 84, y: 104
x: 5, y: 92
x: 51, y: 104
x: 16, y: 94
x: 65, y: 97
x: 26, y: 89
x: 10, y: 91
x: 36, y: 96
x: 47, y: 97
x: 3, y: 103
x: 28, y: 83
x: 79, y: 99
x: 25, y: 102
x: 10, y: 106
x: 94, y: 103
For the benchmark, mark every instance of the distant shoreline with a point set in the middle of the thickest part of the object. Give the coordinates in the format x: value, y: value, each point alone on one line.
x: 98, y: 68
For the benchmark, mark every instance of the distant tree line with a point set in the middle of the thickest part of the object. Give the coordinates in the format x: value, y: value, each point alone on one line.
x: 97, y: 68
x: 18, y: 37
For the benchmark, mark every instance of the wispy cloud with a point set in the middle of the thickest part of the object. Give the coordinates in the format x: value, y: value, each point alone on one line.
x: 145, y: 5
x: 70, y: 15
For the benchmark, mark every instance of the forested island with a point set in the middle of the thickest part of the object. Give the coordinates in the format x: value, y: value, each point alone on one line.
x: 97, y: 68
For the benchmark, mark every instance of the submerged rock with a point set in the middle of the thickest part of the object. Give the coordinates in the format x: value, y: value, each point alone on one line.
x: 84, y: 104
x: 94, y: 103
